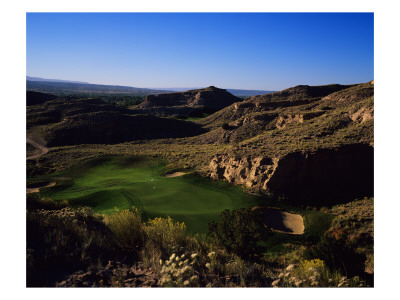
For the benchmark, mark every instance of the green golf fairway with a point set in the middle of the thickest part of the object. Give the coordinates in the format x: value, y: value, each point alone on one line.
x: 122, y: 183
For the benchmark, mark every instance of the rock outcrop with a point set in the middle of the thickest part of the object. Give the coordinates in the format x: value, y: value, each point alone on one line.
x: 322, y: 177
x: 252, y: 173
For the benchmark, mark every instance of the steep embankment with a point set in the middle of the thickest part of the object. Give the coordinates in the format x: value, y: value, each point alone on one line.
x: 322, y: 177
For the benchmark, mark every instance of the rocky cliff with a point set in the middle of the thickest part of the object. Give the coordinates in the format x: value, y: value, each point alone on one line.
x: 322, y: 177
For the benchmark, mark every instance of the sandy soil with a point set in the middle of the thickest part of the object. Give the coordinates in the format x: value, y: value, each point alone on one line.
x: 43, y: 150
x: 175, y: 174
x: 37, y: 189
x: 282, y: 221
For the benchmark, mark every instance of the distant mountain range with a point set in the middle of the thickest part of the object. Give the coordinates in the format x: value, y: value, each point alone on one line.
x: 53, y: 80
x: 64, y: 87
x: 70, y: 87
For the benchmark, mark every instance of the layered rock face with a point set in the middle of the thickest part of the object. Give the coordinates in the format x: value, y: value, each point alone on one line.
x: 252, y: 173
x: 323, y: 177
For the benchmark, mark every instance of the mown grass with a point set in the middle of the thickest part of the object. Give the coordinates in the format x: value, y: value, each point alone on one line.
x: 108, y: 183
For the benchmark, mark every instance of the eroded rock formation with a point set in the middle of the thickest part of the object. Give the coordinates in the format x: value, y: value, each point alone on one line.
x: 322, y: 177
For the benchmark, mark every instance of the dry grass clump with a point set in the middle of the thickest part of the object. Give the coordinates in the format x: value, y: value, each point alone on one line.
x: 179, y: 271
x: 314, y: 273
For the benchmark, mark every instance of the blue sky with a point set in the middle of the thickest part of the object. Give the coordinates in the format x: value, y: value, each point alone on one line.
x: 269, y: 51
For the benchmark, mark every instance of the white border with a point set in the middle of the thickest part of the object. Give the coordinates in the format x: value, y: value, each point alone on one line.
x: 13, y: 134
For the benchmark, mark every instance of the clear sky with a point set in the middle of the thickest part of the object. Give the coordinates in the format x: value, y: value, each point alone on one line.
x: 268, y: 51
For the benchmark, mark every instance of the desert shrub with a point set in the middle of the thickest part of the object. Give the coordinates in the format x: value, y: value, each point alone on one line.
x: 244, y: 273
x: 127, y: 228
x: 229, y: 270
x: 338, y: 254
x: 239, y: 231
x: 225, y: 126
x: 334, y: 123
x: 164, y: 236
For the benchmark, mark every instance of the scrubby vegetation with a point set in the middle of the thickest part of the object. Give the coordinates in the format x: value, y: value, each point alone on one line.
x: 354, y: 222
x: 64, y: 245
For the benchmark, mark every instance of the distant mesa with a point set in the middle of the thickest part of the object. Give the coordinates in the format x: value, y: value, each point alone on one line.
x: 210, y: 98
x: 30, y: 78
x: 65, y: 87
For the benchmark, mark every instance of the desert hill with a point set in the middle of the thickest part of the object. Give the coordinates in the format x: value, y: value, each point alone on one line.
x: 187, y: 103
x: 321, y: 148
x: 295, y: 96
x: 68, y: 121
x: 211, y: 98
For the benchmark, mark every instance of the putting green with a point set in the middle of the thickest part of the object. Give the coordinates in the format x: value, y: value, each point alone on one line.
x: 122, y: 183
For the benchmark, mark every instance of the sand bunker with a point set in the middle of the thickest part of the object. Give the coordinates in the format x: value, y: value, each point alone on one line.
x: 175, y: 174
x: 281, y: 221
x: 35, y: 187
